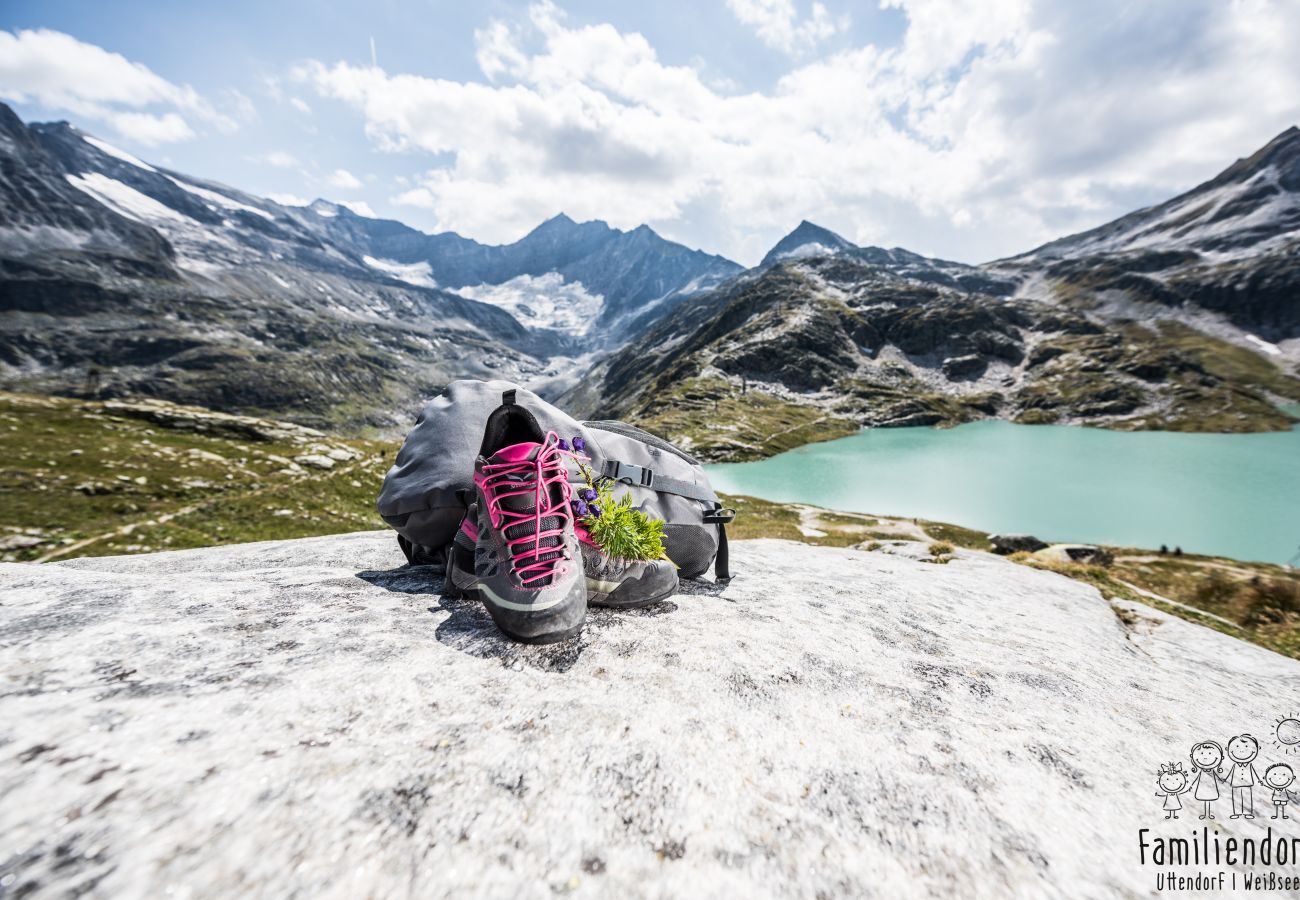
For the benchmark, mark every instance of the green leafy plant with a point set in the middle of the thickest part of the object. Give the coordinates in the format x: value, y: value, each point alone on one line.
x: 620, y: 530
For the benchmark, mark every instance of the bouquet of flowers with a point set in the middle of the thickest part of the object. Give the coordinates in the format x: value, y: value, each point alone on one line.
x: 621, y: 530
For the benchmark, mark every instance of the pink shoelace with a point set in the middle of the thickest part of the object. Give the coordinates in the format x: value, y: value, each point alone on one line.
x: 540, y: 473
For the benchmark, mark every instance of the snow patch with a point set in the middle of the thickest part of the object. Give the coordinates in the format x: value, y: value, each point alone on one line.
x: 125, y: 199
x: 219, y: 199
x: 418, y: 274
x: 1271, y: 349
x: 105, y: 147
x: 542, y: 301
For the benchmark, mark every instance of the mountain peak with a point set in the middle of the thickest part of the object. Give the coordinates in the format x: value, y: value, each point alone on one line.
x: 807, y: 239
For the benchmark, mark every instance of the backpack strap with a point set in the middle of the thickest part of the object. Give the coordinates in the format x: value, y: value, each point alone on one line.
x: 720, y: 515
x: 630, y: 473
x: 721, y: 562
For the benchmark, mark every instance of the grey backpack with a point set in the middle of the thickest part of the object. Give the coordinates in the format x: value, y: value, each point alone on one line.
x: 430, y: 486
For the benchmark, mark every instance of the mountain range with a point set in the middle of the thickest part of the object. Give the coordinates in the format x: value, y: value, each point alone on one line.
x: 118, y: 277
x: 1182, y: 316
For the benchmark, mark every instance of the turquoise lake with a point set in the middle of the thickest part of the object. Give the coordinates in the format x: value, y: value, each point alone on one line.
x: 1234, y: 495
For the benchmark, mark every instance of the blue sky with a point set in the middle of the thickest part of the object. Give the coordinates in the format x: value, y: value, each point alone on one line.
x: 968, y: 129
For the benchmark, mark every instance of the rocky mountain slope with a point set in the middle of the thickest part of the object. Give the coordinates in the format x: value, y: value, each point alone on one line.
x: 121, y: 278
x: 1229, y: 248
x: 1180, y: 317
x: 309, y: 717
x: 585, y: 278
x: 816, y: 348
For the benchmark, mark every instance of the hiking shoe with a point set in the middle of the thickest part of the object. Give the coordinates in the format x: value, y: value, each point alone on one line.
x: 624, y: 583
x: 460, y: 557
x: 527, y: 566
x: 616, y: 583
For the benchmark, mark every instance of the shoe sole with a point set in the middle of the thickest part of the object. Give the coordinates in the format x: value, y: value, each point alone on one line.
x: 470, y: 592
x: 607, y: 603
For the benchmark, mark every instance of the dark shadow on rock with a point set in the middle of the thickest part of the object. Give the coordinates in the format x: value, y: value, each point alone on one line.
x: 700, y: 587
x: 469, y: 629
x: 406, y: 579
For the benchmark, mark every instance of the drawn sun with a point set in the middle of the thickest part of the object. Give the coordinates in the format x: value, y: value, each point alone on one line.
x: 1286, y: 734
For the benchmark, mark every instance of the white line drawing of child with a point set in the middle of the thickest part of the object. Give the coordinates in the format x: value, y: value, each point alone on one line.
x: 1207, y: 757
x: 1172, y: 781
x: 1279, y: 777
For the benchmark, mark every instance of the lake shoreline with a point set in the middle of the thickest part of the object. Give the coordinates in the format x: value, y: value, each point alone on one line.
x: 1235, y: 495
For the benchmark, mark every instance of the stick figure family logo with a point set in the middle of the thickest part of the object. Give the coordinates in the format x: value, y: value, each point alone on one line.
x: 1233, y: 769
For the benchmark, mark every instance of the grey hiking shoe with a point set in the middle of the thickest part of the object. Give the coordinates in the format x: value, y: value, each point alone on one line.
x: 615, y: 583
x: 527, y: 565
x: 626, y: 584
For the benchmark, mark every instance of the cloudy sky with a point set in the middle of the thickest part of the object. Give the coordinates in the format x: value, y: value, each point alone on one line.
x: 968, y: 129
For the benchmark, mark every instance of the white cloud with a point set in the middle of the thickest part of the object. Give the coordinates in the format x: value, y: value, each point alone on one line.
x: 778, y: 25
x: 991, y: 127
x: 301, y: 105
x: 360, y: 207
x: 149, y: 129
x: 60, y: 72
x: 343, y: 179
x: 281, y: 159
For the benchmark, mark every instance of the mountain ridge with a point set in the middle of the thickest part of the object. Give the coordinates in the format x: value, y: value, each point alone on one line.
x: 1198, y: 330
x: 122, y: 278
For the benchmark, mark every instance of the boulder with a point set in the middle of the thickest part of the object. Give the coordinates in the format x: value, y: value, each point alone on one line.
x: 311, y: 718
x: 1015, y: 543
x: 1085, y: 554
x: 207, y: 421
x: 964, y: 368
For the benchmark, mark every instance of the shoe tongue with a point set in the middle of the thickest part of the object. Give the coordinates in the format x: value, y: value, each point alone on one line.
x: 517, y: 453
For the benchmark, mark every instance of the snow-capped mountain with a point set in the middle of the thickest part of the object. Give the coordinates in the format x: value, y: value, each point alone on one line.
x: 1251, y: 207
x: 1224, y: 255
x: 1184, y: 316
x: 118, y: 277
x: 810, y: 241
x: 133, y: 278
x: 562, y: 274
x: 806, y: 240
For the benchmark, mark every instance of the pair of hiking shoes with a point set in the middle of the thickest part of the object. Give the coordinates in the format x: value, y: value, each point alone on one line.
x: 520, y: 549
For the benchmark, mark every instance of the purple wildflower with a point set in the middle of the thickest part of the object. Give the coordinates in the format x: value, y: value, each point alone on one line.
x: 564, y: 445
x: 580, y: 507
x: 589, y: 494
x: 595, y: 510
x: 579, y: 444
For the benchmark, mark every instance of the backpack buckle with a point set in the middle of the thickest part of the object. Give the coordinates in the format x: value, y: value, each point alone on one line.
x: 628, y: 473
x: 721, y: 516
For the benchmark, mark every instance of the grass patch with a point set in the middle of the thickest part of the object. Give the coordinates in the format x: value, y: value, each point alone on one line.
x: 714, y: 420
x: 77, y: 481
x: 967, y: 538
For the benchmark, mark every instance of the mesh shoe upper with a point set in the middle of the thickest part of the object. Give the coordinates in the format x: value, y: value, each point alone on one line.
x: 525, y: 490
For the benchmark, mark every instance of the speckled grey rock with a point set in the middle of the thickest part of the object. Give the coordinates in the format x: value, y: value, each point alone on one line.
x: 307, y: 719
